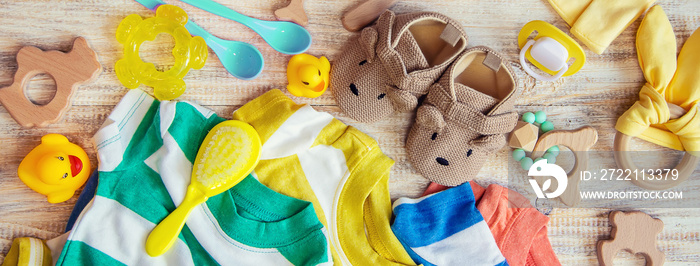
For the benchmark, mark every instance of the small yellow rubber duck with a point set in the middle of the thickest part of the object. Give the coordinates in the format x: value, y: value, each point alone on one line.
x: 56, y: 168
x: 308, y: 76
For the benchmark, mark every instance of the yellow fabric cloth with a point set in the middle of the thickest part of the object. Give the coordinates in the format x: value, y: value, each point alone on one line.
x: 668, y: 81
x: 28, y: 251
x: 597, y: 23
x: 312, y: 156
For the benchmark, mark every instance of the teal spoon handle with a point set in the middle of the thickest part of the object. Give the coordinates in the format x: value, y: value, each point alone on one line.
x: 220, y: 10
x: 196, y: 30
x: 283, y: 36
x: 240, y: 59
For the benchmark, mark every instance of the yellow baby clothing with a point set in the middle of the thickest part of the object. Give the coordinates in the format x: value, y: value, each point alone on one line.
x: 597, y: 23
x: 312, y: 156
x: 668, y: 81
x: 28, y: 251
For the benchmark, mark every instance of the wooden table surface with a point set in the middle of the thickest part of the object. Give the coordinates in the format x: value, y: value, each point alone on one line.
x: 606, y: 86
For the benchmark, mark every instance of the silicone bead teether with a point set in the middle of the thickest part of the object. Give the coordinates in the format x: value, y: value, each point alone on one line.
x: 546, y: 126
x: 524, y: 138
x: 519, y: 154
x: 189, y: 52
x: 540, y: 117
x: 529, y: 117
x: 526, y: 163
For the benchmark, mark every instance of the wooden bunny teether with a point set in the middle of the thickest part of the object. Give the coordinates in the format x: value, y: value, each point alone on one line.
x: 579, y: 141
x: 69, y: 70
x: 634, y: 232
x: 667, y: 110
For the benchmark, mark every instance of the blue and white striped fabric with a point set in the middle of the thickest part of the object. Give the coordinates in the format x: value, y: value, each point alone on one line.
x: 445, y: 228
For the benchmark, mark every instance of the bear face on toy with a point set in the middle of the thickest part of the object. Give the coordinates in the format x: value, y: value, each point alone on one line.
x: 392, y: 64
x: 464, y: 118
x: 448, y: 153
x: 361, y: 95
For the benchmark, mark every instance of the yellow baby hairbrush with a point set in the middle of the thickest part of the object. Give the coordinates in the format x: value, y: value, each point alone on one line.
x: 228, y: 154
x: 550, y: 51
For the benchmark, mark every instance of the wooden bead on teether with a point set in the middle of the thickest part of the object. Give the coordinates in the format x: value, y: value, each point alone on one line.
x: 523, y: 136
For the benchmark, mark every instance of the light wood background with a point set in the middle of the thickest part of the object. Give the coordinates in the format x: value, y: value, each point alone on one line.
x: 606, y: 86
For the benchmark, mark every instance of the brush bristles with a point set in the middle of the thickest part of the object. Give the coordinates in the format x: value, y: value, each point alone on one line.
x: 228, y: 150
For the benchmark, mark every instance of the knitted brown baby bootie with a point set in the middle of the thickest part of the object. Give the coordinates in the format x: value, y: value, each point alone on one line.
x: 464, y: 118
x: 393, y: 62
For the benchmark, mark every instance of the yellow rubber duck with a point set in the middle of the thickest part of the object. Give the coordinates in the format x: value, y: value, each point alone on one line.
x: 56, y: 168
x: 307, y: 75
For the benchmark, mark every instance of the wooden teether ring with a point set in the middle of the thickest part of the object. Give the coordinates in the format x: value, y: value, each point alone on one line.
x: 685, y: 167
x: 69, y: 70
x: 579, y: 141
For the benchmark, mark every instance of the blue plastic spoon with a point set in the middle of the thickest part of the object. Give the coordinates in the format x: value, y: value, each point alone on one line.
x: 242, y: 60
x: 283, y: 36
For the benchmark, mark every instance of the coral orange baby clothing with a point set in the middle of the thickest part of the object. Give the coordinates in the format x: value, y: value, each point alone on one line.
x: 519, y: 229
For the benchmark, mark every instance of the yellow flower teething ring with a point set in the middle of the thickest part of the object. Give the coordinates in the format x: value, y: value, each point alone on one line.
x: 189, y: 52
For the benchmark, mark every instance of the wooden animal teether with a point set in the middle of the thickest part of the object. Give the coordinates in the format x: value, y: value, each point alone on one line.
x: 363, y: 14
x: 667, y: 110
x: 634, y: 232
x: 685, y: 167
x: 579, y: 141
x: 294, y: 12
x: 69, y: 70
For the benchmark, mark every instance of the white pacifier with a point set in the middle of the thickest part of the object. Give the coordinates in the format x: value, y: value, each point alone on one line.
x: 550, y: 51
